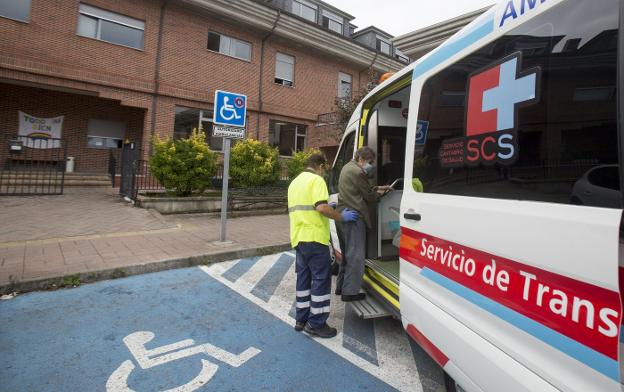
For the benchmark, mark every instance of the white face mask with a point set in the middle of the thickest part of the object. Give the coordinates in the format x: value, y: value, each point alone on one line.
x: 368, y: 168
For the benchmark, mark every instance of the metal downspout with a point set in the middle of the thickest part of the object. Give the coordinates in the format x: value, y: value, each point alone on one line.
x: 157, y: 73
x: 260, y: 102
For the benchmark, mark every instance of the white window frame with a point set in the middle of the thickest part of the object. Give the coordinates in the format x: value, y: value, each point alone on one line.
x: 297, y: 9
x: 100, y: 14
x: 23, y: 3
x: 333, y: 18
x: 298, y: 135
x: 93, y: 132
x: 346, y: 78
x: 402, y: 58
x: 284, y: 81
x: 384, y: 41
x: 300, y: 132
x: 231, y: 49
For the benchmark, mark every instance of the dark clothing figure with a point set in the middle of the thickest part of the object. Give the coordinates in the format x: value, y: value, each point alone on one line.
x: 355, y: 192
x: 313, y: 283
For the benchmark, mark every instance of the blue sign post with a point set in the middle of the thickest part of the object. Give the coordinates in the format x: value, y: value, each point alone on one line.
x: 230, y: 113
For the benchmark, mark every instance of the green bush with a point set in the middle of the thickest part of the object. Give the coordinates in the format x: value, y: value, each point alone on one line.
x: 184, y: 166
x: 253, y: 163
x: 298, y: 162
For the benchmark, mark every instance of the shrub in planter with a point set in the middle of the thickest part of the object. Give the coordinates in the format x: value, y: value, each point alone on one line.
x: 299, y: 161
x: 183, y: 166
x: 253, y: 163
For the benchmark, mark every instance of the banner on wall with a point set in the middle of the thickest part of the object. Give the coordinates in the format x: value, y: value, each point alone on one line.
x: 39, y: 131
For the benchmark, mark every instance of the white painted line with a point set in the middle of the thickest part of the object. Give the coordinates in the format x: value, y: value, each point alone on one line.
x: 280, y: 309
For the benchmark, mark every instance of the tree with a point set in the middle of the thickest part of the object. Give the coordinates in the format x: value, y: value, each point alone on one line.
x: 344, y: 106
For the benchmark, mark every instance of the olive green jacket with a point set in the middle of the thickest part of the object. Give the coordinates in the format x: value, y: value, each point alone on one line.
x: 356, y: 191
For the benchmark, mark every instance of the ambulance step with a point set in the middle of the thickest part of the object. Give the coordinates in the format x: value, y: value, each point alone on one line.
x: 369, y: 308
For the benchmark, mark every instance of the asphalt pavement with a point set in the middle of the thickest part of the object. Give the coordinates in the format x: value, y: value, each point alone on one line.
x: 223, y: 327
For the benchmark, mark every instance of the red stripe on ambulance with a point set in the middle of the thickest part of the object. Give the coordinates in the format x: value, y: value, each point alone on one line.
x: 426, y: 345
x: 589, y: 314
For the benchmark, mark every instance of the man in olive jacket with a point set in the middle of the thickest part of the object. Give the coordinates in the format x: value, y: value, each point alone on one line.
x: 356, y: 193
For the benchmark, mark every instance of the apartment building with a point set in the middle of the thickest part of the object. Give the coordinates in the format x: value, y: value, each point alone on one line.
x: 128, y: 70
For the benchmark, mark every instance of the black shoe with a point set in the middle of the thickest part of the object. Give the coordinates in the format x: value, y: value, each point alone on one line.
x: 299, y: 325
x: 324, y: 331
x: 338, y: 292
x: 354, y: 297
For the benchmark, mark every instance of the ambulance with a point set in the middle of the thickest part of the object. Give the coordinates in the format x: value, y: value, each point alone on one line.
x: 499, y: 247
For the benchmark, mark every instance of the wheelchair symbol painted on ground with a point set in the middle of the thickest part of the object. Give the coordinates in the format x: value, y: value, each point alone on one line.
x: 118, y: 381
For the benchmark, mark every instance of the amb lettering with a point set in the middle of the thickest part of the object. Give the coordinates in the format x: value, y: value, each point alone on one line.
x: 517, y: 8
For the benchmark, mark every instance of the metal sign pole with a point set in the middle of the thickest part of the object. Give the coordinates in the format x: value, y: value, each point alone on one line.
x: 224, y: 192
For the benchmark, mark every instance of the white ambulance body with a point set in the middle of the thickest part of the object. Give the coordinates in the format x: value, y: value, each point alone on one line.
x: 499, y: 249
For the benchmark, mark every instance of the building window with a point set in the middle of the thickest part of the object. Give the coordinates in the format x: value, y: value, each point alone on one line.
x: 284, y: 69
x: 344, y: 85
x: 401, y: 58
x: 187, y: 119
x: 560, y: 148
x: 229, y: 46
x: 105, y: 134
x: 304, y: 9
x: 383, y: 46
x: 287, y: 137
x: 15, y: 9
x: 110, y: 27
x: 332, y: 21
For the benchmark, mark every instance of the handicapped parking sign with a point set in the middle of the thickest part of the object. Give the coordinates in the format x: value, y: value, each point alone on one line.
x: 421, y: 132
x: 230, y: 109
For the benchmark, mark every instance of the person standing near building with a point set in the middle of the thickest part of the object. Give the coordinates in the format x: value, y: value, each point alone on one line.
x: 356, y: 193
x: 309, y: 214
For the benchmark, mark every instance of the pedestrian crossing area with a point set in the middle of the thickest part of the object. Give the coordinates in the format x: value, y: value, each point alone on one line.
x: 377, y: 346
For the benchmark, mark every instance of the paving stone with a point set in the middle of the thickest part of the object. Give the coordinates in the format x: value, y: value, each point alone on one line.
x: 89, y: 230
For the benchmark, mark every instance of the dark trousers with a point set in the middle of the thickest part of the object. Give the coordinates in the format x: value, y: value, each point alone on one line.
x: 313, y: 283
x: 351, y: 273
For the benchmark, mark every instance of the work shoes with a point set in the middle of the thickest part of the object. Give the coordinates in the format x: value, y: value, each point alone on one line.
x: 354, y: 297
x: 324, y: 331
x: 299, y: 325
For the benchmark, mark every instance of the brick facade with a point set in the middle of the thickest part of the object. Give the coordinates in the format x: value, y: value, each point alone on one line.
x: 47, y: 70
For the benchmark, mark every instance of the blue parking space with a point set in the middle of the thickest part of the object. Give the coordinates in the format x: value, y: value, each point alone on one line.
x: 181, y: 327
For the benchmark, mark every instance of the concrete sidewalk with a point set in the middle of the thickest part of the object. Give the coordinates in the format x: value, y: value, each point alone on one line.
x: 95, y: 234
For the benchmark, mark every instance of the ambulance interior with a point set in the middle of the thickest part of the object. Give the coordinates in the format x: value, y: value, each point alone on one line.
x: 386, y: 134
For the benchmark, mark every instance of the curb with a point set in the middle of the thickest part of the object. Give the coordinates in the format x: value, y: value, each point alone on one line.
x: 121, y: 272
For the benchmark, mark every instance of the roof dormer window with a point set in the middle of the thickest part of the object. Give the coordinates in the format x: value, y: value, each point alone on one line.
x: 304, y: 9
x: 332, y: 21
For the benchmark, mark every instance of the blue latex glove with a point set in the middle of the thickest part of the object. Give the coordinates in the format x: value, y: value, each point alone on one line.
x: 349, y: 215
x: 333, y: 204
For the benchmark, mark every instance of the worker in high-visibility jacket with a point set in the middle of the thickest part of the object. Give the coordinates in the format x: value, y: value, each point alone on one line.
x: 309, y: 214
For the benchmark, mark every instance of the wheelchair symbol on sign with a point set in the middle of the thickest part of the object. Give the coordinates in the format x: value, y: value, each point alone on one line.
x: 421, y: 132
x: 118, y: 381
x: 230, y: 109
